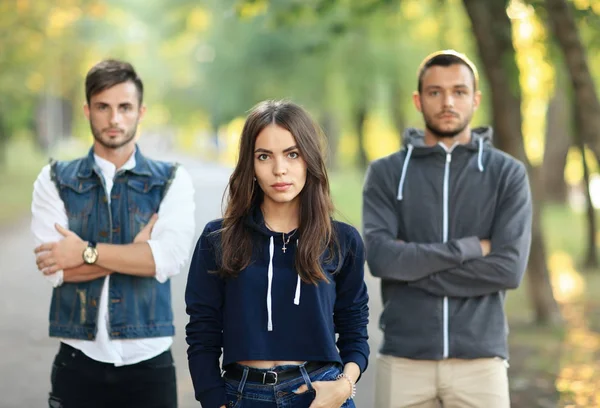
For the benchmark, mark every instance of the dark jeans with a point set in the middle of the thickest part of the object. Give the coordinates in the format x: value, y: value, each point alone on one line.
x: 246, y: 394
x: 80, y: 382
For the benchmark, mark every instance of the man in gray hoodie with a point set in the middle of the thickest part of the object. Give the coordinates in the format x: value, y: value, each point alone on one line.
x: 447, y: 226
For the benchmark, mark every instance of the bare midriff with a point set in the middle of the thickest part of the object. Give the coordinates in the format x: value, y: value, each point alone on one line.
x: 262, y: 364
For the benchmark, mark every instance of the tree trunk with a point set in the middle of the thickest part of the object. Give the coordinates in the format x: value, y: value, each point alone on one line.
x: 591, y: 253
x: 443, y: 18
x: 397, y: 112
x: 542, y: 298
x: 492, y: 30
x: 67, y: 118
x: 358, y: 119
x: 331, y: 129
x: 558, y: 141
x: 3, y: 141
x: 360, y: 87
x: 214, y: 127
x: 586, y: 103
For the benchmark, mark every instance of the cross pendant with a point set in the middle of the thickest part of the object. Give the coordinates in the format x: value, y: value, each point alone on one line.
x: 283, y: 248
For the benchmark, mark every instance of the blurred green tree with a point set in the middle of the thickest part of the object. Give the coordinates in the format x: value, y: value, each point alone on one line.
x: 587, y: 107
x: 493, y: 33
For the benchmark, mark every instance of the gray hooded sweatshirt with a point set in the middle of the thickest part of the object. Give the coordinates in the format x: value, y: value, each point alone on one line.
x: 425, y: 208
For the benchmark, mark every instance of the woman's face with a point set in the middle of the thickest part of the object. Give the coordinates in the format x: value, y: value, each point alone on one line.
x: 279, y: 168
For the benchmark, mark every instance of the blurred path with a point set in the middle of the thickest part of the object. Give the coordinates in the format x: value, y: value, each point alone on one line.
x: 27, y: 351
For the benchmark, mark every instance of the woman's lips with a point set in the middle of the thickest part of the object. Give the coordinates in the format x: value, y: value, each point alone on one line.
x: 281, y: 186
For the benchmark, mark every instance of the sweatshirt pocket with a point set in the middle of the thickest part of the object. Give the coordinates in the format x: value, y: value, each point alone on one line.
x: 411, y: 322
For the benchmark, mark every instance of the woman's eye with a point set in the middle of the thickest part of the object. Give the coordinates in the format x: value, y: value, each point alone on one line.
x: 293, y: 155
x: 262, y: 157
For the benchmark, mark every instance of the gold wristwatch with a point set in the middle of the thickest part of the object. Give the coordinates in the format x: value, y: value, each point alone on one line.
x: 90, y: 254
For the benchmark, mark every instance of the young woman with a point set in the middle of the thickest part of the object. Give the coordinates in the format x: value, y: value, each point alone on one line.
x: 272, y: 282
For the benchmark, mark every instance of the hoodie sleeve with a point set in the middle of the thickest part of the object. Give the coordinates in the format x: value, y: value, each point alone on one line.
x: 503, y: 268
x: 351, y: 310
x: 387, y: 256
x: 204, y: 295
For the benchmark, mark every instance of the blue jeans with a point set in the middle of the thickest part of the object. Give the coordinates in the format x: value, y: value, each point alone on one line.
x: 245, y: 394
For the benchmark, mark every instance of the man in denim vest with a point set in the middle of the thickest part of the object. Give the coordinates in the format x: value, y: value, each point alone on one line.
x: 111, y: 229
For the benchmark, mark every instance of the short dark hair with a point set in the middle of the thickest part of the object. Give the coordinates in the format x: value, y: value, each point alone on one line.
x: 108, y: 73
x: 446, y: 58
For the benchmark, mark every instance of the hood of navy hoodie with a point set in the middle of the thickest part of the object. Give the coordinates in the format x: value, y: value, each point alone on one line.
x: 256, y: 222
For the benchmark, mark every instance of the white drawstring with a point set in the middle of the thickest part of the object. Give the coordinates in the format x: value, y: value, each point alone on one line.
x: 297, y: 297
x: 270, y: 284
x: 480, y: 156
x: 403, y: 176
x: 270, y: 277
x: 298, y: 283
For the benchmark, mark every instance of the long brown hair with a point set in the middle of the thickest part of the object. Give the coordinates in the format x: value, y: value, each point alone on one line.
x: 316, y: 207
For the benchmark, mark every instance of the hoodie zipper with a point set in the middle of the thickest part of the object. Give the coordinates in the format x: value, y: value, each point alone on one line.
x: 445, y: 239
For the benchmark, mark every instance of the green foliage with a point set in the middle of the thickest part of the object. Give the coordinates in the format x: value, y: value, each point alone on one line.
x: 210, y: 61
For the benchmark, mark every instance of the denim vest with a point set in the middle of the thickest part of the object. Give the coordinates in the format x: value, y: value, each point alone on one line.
x: 138, y: 307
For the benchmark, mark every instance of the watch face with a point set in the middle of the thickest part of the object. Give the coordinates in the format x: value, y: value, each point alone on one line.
x: 90, y: 255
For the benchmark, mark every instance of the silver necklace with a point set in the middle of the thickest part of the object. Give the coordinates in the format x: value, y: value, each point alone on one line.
x: 285, y: 241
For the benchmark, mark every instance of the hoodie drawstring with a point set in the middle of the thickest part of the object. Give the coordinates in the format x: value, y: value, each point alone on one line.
x: 297, y: 296
x: 404, y: 167
x: 298, y: 283
x: 270, y: 284
x: 270, y: 277
x: 480, y: 156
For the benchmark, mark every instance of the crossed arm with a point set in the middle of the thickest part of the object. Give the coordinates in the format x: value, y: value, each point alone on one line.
x: 66, y: 255
x: 463, y: 267
x: 503, y: 268
x: 160, y: 249
x: 393, y: 259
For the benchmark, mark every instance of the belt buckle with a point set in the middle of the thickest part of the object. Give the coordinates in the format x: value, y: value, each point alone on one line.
x: 264, y: 381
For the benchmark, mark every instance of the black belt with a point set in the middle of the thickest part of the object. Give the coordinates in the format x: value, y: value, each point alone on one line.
x: 236, y: 371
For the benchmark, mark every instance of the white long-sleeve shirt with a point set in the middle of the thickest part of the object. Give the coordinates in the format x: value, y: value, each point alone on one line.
x: 170, y: 242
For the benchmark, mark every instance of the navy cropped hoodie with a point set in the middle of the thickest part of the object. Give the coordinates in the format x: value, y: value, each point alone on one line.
x: 267, y: 312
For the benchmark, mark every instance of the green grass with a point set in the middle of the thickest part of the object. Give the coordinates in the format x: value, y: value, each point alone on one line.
x: 346, y: 190
x: 16, y: 184
x: 23, y: 164
x: 565, y: 230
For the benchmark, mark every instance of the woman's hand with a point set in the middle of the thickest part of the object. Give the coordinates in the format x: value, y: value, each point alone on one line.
x: 329, y: 394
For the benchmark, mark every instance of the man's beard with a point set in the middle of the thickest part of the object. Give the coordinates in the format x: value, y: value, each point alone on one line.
x: 445, y: 133
x: 129, y: 135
